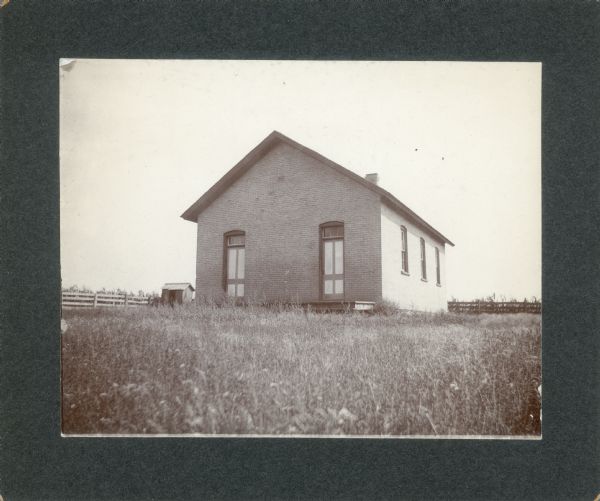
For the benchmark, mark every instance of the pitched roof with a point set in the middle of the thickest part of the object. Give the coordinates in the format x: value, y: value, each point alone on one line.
x: 177, y: 286
x: 191, y: 214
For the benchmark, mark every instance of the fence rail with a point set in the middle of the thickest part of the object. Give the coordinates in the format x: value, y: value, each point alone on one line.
x: 96, y: 299
x: 494, y: 307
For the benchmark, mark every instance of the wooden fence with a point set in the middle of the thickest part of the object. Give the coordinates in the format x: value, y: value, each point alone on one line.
x: 94, y: 300
x: 494, y: 307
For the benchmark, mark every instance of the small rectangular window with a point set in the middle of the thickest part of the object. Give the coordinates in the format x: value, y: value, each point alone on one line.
x: 437, y: 266
x: 236, y: 241
x: 423, y: 260
x: 404, y: 249
x: 333, y: 231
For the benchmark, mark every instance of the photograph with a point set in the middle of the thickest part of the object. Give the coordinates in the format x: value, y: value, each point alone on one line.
x: 295, y: 248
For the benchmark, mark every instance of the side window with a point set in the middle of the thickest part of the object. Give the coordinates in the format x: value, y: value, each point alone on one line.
x: 234, y: 263
x: 404, y: 249
x: 437, y: 267
x: 332, y: 260
x: 423, y: 261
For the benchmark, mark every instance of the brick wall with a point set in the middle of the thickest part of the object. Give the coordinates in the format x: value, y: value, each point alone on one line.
x: 409, y: 291
x: 280, y: 203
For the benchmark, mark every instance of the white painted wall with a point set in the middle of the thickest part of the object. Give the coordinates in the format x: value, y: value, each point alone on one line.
x: 409, y: 291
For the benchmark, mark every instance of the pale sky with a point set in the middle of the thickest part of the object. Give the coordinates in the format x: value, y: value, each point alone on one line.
x: 141, y: 140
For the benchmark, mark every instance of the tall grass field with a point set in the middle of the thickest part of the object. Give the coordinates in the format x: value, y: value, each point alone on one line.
x: 283, y: 371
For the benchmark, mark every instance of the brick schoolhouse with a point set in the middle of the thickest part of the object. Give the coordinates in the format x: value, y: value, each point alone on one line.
x: 287, y: 224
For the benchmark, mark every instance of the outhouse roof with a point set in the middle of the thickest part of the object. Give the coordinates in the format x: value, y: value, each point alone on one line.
x: 191, y: 214
x: 179, y: 286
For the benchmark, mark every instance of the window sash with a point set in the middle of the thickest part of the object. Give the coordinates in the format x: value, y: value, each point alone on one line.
x: 333, y: 257
x: 235, y: 263
x: 334, y: 231
x: 235, y: 269
x: 328, y: 257
x: 231, y: 264
x: 423, y: 261
x: 437, y: 266
x: 235, y: 290
x: 236, y: 241
x: 241, y: 263
x: 332, y: 265
x: 333, y: 287
x: 338, y: 256
x: 404, y: 249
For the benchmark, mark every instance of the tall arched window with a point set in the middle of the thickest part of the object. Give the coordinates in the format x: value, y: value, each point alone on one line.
x: 332, y: 260
x: 234, y: 263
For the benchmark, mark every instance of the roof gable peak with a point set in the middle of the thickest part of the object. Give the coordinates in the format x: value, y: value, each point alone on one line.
x: 275, y: 137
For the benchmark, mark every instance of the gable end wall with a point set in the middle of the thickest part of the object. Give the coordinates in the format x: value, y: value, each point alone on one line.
x: 280, y: 203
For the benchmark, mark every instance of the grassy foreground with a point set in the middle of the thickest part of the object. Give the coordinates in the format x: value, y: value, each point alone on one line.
x: 283, y: 371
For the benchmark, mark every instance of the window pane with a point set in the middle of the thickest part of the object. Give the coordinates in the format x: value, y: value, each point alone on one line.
x: 339, y: 257
x: 333, y: 231
x: 231, y: 290
x: 236, y: 240
x: 241, y: 264
x: 423, y: 261
x: 404, y: 249
x: 240, y: 290
x: 339, y: 286
x: 328, y: 287
x: 231, y: 254
x: 328, y: 258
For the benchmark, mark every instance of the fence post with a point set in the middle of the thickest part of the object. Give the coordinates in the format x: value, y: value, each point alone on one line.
x: 95, y: 299
x: 126, y: 299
